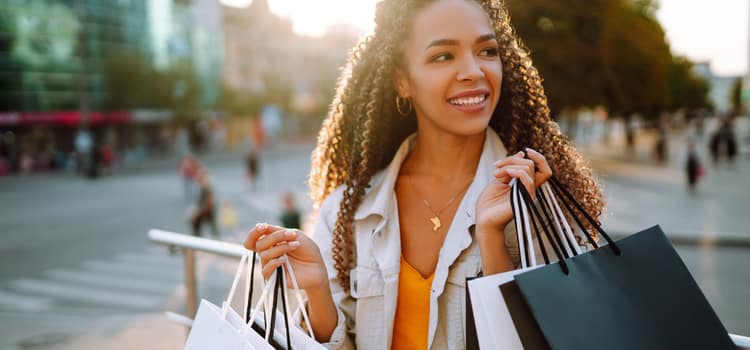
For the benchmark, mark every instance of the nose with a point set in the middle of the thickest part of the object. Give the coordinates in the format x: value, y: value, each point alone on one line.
x: 470, y: 70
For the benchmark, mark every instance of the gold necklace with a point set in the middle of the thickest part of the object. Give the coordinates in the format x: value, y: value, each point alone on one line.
x: 435, y: 220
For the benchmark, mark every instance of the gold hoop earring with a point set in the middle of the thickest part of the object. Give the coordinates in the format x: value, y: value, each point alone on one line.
x: 402, y: 102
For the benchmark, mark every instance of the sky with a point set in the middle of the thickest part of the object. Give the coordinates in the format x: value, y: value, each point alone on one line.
x: 703, y: 30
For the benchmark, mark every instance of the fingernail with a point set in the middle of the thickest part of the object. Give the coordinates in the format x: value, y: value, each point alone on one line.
x: 262, y: 227
x: 294, y: 243
x: 290, y: 234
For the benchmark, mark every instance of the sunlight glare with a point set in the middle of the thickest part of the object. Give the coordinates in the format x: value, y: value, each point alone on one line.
x: 313, y: 18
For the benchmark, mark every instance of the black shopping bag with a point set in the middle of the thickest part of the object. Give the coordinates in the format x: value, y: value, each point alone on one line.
x: 635, y: 293
x: 527, y: 327
x: 472, y: 343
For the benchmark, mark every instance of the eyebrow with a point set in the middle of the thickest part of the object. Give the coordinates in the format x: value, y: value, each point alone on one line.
x: 454, y: 42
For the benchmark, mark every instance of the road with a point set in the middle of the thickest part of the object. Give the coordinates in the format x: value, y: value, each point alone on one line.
x: 76, y: 269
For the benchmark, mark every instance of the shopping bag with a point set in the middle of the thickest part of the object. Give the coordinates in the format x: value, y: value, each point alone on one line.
x: 497, y: 316
x: 296, y: 336
x: 635, y: 293
x: 221, y: 327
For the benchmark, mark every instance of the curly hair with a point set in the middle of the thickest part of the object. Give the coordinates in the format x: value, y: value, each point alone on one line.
x: 363, y: 129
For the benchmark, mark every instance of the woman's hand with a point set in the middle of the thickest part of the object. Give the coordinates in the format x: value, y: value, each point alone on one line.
x: 272, y: 242
x: 493, y: 207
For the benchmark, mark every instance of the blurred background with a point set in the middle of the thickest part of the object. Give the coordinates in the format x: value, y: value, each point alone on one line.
x: 199, y: 116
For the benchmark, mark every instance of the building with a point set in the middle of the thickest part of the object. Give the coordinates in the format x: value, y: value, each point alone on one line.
x: 60, y: 61
x: 266, y: 62
x: 720, y: 87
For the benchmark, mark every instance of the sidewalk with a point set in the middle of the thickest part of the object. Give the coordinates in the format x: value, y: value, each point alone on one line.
x: 640, y: 193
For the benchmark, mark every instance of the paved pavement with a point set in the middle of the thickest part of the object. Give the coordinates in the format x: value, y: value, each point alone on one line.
x: 76, y: 270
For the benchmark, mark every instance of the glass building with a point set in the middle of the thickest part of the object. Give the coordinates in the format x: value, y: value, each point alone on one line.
x: 53, y: 53
x: 117, y: 69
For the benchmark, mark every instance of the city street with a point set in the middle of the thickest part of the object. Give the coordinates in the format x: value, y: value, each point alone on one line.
x: 77, y: 270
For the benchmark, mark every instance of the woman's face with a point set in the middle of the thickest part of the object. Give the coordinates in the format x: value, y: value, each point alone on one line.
x: 452, y: 69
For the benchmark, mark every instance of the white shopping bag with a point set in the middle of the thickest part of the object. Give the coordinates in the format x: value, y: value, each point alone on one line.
x: 299, y: 339
x: 494, y: 325
x: 221, y: 327
x: 492, y: 320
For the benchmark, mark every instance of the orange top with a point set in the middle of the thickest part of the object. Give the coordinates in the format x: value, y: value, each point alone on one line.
x: 411, y: 323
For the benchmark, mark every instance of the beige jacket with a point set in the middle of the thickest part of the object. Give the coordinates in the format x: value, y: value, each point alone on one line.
x: 366, y: 312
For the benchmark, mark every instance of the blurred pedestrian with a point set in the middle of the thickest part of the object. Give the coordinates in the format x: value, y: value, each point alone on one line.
x: 660, y: 148
x: 95, y: 163
x: 723, y: 143
x: 693, y: 167
x: 108, y: 159
x: 189, y: 168
x: 290, y: 215
x: 251, y: 168
x: 205, y: 209
x: 26, y: 162
x: 630, y: 128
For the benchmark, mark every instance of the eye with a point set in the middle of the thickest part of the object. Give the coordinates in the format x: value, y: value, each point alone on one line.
x: 490, y: 52
x: 441, y: 57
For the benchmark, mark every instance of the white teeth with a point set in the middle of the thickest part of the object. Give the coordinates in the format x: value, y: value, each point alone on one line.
x: 468, y: 101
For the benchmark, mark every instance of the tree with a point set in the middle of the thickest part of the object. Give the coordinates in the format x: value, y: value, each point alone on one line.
x: 591, y: 52
x: 565, y: 38
x: 736, y: 97
x: 686, y: 89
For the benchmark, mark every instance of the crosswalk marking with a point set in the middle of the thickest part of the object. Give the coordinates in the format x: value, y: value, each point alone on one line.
x: 87, y: 294
x: 144, y: 271
x: 23, y: 302
x: 144, y: 280
x: 114, y: 281
x: 156, y: 260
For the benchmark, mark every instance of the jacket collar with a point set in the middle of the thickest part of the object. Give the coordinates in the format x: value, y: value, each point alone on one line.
x: 381, y: 194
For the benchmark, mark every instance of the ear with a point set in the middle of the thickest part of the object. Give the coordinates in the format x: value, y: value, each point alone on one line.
x: 401, y: 83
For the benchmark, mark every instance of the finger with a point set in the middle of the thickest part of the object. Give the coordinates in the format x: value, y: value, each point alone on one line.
x: 504, y: 176
x: 517, y: 159
x: 274, y: 238
x: 277, y: 251
x: 260, y: 230
x: 526, y: 180
x: 272, y: 265
x: 544, y: 170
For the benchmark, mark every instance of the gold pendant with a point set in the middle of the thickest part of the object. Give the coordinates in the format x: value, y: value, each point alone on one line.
x: 435, y: 223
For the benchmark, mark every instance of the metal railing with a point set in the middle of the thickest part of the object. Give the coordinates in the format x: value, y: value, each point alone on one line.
x: 190, y: 244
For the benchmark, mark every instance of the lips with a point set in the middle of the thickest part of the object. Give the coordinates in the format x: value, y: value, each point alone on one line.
x: 469, y: 98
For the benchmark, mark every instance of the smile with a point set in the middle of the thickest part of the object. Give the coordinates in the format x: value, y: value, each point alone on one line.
x: 468, y: 101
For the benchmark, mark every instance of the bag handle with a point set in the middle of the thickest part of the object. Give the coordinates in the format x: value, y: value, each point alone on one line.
x: 283, y: 289
x: 521, y: 222
x: 547, y: 199
x: 278, y: 293
x: 520, y: 200
x: 568, y: 198
x: 275, y: 283
x: 235, y: 282
x: 544, y: 228
x: 561, y: 220
x: 298, y: 296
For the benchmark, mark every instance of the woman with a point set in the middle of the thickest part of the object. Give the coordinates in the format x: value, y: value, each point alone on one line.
x: 411, y: 177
